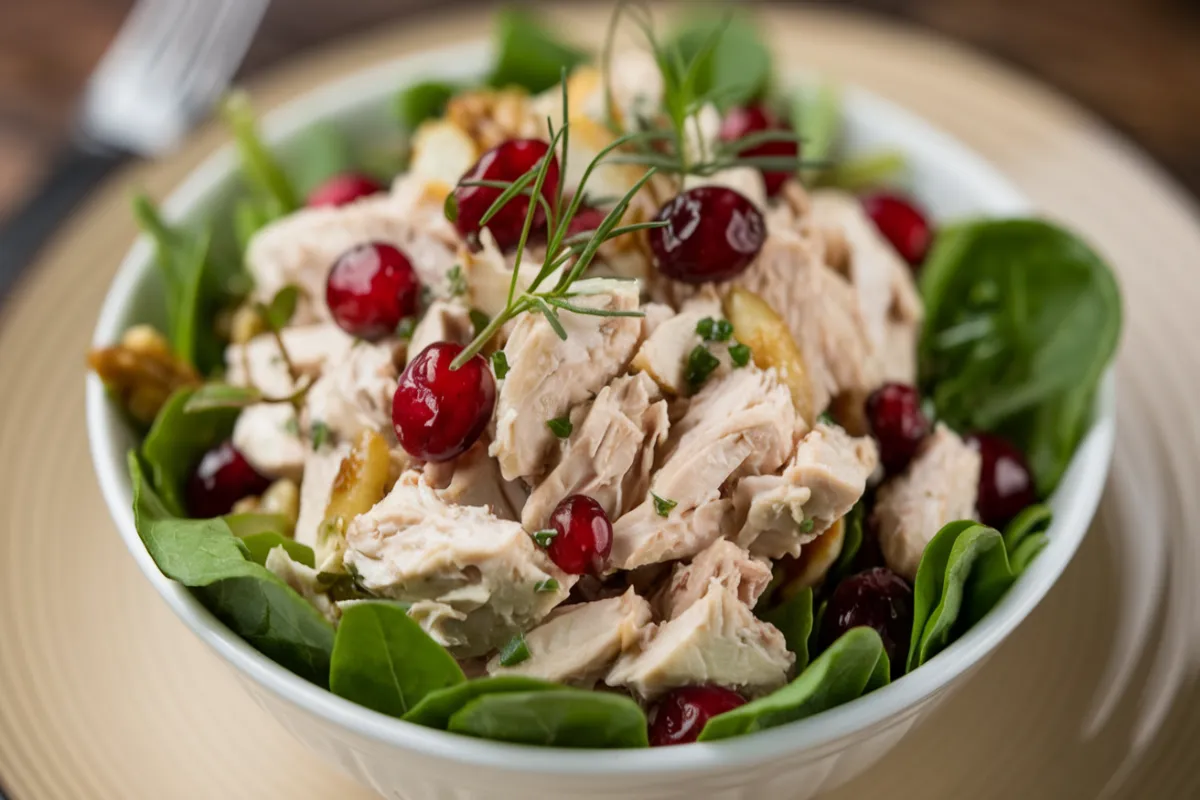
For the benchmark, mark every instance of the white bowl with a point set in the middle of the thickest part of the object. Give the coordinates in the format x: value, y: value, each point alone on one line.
x: 402, y: 760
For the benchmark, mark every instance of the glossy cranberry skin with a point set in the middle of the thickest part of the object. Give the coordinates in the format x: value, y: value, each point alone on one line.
x: 897, y: 423
x: 438, y: 412
x: 712, y: 234
x: 504, y: 162
x: 584, y: 536
x: 343, y: 189
x: 370, y: 289
x: 683, y: 713
x: 745, y: 120
x: 902, y: 223
x: 877, y: 598
x: 1005, y: 480
x: 221, y: 478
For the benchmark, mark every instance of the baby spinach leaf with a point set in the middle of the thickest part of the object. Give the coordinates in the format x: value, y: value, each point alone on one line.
x: 436, y: 709
x: 852, y: 666
x: 972, y: 549
x: 852, y: 541
x: 1026, y: 551
x: 528, y: 55
x: 253, y: 522
x: 423, y: 101
x: 1022, y: 318
x: 316, y: 155
x: 558, y: 717
x: 264, y: 174
x: 205, y: 556
x: 383, y: 660
x: 794, y: 619
x: 1032, y: 520
x: 737, y: 70
x: 259, y: 545
x: 250, y: 215
x: 176, y: 441
x: 931, y: 576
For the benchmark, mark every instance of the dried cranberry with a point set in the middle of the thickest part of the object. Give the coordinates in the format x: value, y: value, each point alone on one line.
x: 713, y: 233
x: 505, y: 162
x: 683, y: 713
x: 439, y: 412
x: 745, y: 120
x: 1005, y: 480
x: 898, y: 424
x: 343, y: 189
x: 221, y: 478
x: 902, y: 223
x: 370, y: 289
x: 877, y: 598
x: 583, y: 536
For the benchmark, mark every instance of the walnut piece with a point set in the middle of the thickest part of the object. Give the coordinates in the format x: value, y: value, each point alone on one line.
x: 141, y: 371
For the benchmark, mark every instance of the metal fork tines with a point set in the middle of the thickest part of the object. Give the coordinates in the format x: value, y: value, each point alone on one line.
x: 164, y: 71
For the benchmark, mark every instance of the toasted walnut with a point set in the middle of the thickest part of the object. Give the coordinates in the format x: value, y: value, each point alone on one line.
x: 283, y: 498
x: 491, y: 116
x: 361, y: 482
x: 142, y: 371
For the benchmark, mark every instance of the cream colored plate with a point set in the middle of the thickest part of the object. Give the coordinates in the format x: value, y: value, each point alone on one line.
x: 104, y: 694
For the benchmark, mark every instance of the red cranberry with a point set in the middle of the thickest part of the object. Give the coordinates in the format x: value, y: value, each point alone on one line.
x: 585, y: 220
x: 222, y: 477
x: 877, y: 598
x: 583, y: 537
x: 745, y: 120
x: 370, y: 289
x: 902, y: 223
x: 342, y: 189
x: 439, y: 412
x: 683, y: 713
x: 1005, y: 481
x: 898, y: 424
x: 505, y: 162
x: 712, y: 234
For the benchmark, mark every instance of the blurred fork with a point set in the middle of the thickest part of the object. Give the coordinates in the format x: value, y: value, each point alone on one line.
x: 161, y: 75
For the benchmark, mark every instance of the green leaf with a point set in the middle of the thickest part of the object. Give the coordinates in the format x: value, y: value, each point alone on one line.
x: 320, y: 434
x: 282, y: 307
x: 263, y: 172
x: 560, y: 427
x: 423, y: 101
x: 663, y: 506
x: 817, y: 118
x: 928, y: 585
x: 852, y: 666
x: 515, y: 652
x: 250, y: 215
x: 212, y: 396
x: 261, y: 544
x: 737, y: 70
x: 253, y: 522
x: 852, y: 540
x: 864, y: 172
x: 205, y: 556
x: 1032, y: 520
x: 479, y: 321
x: 794, y: 619
x: 700, y: 365
x: 318, y: 153
x: 554, y: 718
x: 500, y: 364
x: 529, y: 56
x: 383, y: 660
x: 177, y: 440
x: 1022, y: 318
x: 436, y: 709
x: 740, y: 354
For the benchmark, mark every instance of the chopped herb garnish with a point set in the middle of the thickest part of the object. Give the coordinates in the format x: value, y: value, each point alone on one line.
x: 723, y: 330
x: 292, y: 426
x: 514, y: 652
x: 560, y: 426
x: 406, y: 327
x: 739, y: 354
x: 546, y: 586
x: 479, y: 320
x: 700, y: 365
x: 500, y: 364
x: 458, y: 284
x: 545, y: 537
x: 826, y: 418
x: 663, y: 506
x: 807, y: 525
x: 320, y: 434
x: 705, y: 328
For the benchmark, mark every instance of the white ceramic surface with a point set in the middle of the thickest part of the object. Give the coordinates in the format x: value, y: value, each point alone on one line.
x: 405, y: 761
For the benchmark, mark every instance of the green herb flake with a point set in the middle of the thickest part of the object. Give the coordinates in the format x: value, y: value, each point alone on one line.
x: 479, y: 320
x: 292, y: 426
x: 220, y: 395
x: 740, y: 354
x: 560, y: 426
x: 704, y: 328
x: 500, y: 365
x: 406, y: 327
x: 458, y: 283
x: 723, y: 330
x: 663, y: 506
x: 700, y: 365
x: 515, y: 652
x: 825, y: 418
x: 450, y: 208
x: 546, y: 586
x: 320, y: 435
x: 544, y: 537
x: 807, y: 525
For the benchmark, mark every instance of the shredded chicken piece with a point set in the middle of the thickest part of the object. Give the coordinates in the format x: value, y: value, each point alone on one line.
x: 723, y: 561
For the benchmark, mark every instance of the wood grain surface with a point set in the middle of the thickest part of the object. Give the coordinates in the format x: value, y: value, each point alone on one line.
x: 1134, y: 62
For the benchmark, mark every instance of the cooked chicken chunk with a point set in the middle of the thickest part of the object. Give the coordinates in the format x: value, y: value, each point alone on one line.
x: 259, y: 363
x: 717, y: 640
x: 743, y: 424
x: 473, y: 479
x: 609, y: 454
x: 577, y: 644
x: 887, y: 295
x: 823, y: 480
x: 320, y: 470
x: 474, y: 579
x: 723, y: 561
x: 664, y: 354
x: 938, y: 487
x: 444, y: 321
x: 268, y: 435
x: 354, y: 394
x: 548, y: 376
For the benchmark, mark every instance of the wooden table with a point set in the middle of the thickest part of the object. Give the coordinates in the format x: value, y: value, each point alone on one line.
x: 1134, y: 62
